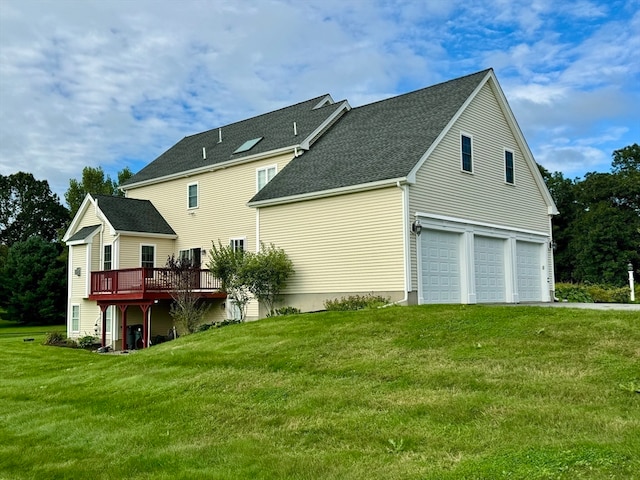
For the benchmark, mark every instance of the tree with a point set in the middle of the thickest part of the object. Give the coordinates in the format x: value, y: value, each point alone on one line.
x: 232, y: 268
x: 28, y: 208
x: 94, y: 182
x: 187, y: 310
x: 35, y: 281
x: 268, y: 273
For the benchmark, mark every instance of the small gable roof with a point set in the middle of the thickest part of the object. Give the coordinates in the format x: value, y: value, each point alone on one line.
x: 376, y: 142
x: 132, y: 215
x: 83, y: 234
x: 270, y: 132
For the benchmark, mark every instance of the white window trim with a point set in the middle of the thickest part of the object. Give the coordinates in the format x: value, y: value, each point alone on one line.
x: 197, y: 195
x: 71, y: 318
x: 265, y: 169
x: 244, y: 241
x: 103, y: 259
x: 155, y: 252
x: 468, y: 135
x: 504, y: 160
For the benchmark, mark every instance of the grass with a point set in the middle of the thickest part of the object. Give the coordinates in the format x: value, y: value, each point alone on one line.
x: 429, y: 392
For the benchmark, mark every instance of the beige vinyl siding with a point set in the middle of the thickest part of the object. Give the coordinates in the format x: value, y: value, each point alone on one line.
x: 130, y: 250
x: 347, y: 243
x: 78, y: 254
x: 222, y: 211
x: 442, y: 188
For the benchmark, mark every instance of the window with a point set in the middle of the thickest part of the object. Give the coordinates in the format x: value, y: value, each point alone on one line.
x: 264, y: 176
x: 194, y: 255
x: 147, y: 256
x: 75, y: 318
x: 106, y: 259
x: 237, y: 244
x: 467, y: 164
x: 192, y: 194
x: 508, y: 167
x: 111, y: 315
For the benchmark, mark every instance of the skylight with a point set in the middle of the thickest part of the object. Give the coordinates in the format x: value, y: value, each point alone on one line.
x: 248, y: 145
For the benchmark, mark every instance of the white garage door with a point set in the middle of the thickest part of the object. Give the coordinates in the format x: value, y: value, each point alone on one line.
x: 529, y: 271
x: 440, y: 252
x: 489, y: 269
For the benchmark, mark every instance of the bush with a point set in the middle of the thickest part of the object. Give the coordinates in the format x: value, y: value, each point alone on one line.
x: 356, y: 302
x: 87, y: 341
x: 287, y: 311
x: 53, y: 338
x: 579, y: 293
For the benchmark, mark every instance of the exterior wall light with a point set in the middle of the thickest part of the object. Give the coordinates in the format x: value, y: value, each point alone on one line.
x: 78, y: 271
x: 416, y: 227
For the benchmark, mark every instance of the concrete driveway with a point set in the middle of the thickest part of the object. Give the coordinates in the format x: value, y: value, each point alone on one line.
x: 590, y: 306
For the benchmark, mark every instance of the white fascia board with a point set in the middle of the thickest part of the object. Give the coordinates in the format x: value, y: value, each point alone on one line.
x: 344, y: 107
x: 171, y: 236
x: 363, y: 187
x: 212, y: 167
x: 88, y: 200
x: 463, y: 221
x: 326, y: 100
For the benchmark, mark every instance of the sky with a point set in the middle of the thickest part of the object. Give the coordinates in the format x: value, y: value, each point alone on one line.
x: 115, y: 83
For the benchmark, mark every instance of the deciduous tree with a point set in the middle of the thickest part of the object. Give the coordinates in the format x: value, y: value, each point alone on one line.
x: 95, y: 182
x: 28, y: 208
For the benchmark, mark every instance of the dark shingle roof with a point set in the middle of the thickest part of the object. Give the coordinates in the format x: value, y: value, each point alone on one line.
x: 83, y: 233
x: 275, y: 127
x: 379, y: 141
x: 133, y: 215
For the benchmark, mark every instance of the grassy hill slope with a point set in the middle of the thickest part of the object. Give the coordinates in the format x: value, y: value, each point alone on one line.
x: 430, y: 392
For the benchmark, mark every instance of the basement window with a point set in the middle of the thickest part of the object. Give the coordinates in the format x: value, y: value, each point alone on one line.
x: 248, y: 145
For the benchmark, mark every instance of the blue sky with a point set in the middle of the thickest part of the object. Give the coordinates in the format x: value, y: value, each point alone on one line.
x: 114, y: 83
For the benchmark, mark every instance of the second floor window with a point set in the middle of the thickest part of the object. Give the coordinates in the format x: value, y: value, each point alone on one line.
x: 508, y: 167
x: 192, y: 193
x: 147, y: 256
x: 106, y: 262
x: 264, y: 176
x: 467, y: 164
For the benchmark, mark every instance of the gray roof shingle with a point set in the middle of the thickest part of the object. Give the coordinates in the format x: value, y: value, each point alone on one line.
x: 379, y: 141
x: 83, y: 233
x: 133, y: 215
x: 275, y: 127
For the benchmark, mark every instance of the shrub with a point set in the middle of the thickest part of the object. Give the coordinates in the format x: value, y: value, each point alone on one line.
x: 87, y: 341
x: 287, y: 311
x: 53, y: 338
x: 574, y: 293
x: 597, y: 293
x: 356, y: 302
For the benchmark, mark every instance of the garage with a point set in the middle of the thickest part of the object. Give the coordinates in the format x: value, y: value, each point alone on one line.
x: 440, y: 266
x: 529, y: 271
x: 489, y: 256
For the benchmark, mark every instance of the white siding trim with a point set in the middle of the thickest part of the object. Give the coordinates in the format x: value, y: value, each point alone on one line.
x: 456, y: 220
x: 406, y: 240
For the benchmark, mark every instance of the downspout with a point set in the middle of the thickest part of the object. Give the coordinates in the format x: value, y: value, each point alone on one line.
x: 406, y: 244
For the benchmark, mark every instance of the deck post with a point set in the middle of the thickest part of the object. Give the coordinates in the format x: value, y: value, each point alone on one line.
x: 103, y: 309
x: 123, y: 310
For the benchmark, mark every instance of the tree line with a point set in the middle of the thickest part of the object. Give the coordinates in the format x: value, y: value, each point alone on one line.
x: 596, y: 234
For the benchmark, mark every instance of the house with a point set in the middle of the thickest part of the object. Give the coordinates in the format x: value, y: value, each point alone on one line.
x: 428, y: 197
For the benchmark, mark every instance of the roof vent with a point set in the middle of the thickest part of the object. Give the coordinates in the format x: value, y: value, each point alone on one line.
x: 204, y: 153
x: 295, y: 128
x: 220, y: 135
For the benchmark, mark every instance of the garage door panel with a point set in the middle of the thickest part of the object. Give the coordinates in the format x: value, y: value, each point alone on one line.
x: 489, y: 269
x: 440, y: 266
x: 529, y: 271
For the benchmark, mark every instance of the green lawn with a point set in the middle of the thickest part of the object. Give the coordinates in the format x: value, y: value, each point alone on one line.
x: 442, y: 392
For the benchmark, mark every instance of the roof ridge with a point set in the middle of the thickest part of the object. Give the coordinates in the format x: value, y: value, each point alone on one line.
x: 271, y: 112
x: 400, y: 95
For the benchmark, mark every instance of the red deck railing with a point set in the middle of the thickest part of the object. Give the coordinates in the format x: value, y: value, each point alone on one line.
x: 147, y: 280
